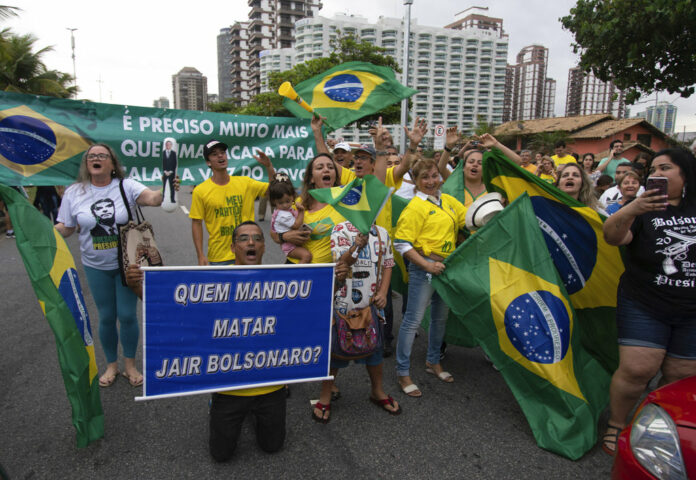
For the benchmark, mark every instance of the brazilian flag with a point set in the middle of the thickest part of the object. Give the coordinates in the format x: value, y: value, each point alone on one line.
x: 52, y: 272
x: 507, y: 292
x: 359, y: 201
x: 348, y: 92
x: 572, y: 232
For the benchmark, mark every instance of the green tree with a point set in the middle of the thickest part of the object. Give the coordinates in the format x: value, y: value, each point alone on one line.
x: 641, y: 45
x: 546, y: 141
x: 346, y: 48
x: 483, y: 126
x: 23, y: 71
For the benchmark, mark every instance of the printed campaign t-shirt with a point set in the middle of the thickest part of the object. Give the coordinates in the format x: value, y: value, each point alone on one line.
x: 358, y: 288
x: 222, y: 208
x: 98, y: 211
x: 661, y: 262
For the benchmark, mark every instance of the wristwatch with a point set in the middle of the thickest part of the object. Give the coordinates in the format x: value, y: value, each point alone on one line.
x: 447, y: 149
x: 280, y: 237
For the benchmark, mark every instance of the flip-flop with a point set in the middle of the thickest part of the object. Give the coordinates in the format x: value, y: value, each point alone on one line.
x: 444, y: 376
x: 109, y: 381
x: 383, y: 405
x: 132, y: 383
x: 411, y: 390
x: 611, y: 439
x: 324, y: 409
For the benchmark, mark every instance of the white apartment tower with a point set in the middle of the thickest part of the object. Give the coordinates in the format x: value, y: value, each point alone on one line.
x: 588, y: 95
x: 458, y: 70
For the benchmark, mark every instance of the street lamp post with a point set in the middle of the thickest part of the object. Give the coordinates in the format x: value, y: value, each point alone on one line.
x: 404, y: 68
x: 72, y: 44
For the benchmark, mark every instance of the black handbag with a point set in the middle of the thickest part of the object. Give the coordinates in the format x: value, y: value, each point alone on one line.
x: 136, y: 241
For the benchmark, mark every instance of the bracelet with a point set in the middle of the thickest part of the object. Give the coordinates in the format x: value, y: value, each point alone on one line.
x: 382, y: 152
x: 447, y: 149
x: 280, y: 237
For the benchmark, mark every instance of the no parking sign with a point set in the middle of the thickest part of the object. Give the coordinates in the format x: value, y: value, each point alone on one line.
x: 439, y: 143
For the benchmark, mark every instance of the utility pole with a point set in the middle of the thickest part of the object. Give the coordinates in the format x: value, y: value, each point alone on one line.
x: 404, y: 68
x: 72, y: 43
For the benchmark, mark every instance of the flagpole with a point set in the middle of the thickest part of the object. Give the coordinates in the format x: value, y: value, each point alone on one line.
x: 404, y: 69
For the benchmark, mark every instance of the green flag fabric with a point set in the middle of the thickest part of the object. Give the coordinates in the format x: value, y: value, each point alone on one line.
x: 454, y: 185
x: 359, y: 201
x: 572, y: 232
x: 53, y: 276
x: 508, y: 293
x: 348, y: 92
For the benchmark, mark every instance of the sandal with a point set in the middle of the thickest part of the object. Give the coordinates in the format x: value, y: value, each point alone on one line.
x: 105, y: 381
x: 134, y: 383
x: 411, y: 390
x: 444, y: 376
x: 609, y: 440
x: 324, y: 409
x: 387, y: 401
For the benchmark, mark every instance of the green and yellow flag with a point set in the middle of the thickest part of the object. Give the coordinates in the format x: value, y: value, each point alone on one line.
x: 359, y: 201
x: 52, y: 272
x: 589, y: 267
x: 506, y: 291
x: 348, y: 92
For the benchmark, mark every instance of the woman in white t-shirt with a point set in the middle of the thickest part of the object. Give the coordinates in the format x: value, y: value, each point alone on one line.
x: 95, y: 204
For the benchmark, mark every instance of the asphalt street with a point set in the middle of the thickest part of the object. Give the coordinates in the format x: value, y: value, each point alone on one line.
x: 472, y: 428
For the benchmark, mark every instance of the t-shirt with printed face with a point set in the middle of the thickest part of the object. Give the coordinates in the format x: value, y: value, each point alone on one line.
x: 358, y: 288
x: 661, y: 262
x: 98, y: 211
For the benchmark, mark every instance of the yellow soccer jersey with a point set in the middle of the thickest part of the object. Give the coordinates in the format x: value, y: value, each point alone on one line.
x: 321, y: 222
x: 222, y: 208
x: 431, y: 228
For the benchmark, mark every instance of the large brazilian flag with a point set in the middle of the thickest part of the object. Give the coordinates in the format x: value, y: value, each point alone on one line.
x: 507, y: 292
x: 348, y: 92
x: 52, y: 272
x: 589, y: 267
x: 359, y: 201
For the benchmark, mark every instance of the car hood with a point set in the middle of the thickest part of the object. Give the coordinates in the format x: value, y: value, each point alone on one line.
x: 679, y: 400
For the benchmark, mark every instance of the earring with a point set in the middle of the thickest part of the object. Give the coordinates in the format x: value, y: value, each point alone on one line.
x: 113, y: 173
x: 684, y: 191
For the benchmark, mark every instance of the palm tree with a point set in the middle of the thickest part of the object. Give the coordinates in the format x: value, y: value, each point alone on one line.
x: 7, y: 12
x: 23, y: 71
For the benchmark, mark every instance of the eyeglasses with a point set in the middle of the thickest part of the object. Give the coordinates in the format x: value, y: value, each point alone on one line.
x: 245, y: 238
x: 362, y: 157
x: 98, y: 156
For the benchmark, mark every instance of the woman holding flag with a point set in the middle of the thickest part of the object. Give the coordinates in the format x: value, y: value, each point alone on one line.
x: 656, y: 299
x: 426, y: 234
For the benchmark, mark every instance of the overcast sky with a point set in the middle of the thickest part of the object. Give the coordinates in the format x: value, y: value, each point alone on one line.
x: 127, y: 51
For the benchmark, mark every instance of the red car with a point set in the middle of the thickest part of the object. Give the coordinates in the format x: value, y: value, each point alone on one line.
x: 660, y: 442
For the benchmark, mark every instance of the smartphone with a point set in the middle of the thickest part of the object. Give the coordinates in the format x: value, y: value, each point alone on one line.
x: 659, y: 183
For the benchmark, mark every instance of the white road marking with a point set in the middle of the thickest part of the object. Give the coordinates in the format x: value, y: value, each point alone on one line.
x: 184, y: 209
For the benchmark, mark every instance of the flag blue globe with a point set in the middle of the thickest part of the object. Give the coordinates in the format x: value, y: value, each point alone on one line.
x: 538, y: 326
x: 26, y: 140
x: 353, y: 196
x: 345, y: 87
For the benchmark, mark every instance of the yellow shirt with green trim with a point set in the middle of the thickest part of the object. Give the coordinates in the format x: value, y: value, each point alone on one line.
x: 322, y: 223
x: 222, y: 208
x: 469, y: 197
x: 563, y: 160
x: 430, y: 226
x: 384, y: 219
x: 548, y: 178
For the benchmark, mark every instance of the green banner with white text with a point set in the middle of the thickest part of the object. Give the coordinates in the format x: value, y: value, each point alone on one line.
x: 42, y: 140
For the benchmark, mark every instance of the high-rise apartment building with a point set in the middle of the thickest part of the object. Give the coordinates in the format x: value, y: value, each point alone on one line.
x: 458, y: 70
x: 190, y: 89
x: 224, y: 62
x: 663, y: 116
x: 588, y: 95
x: 271, y: 24
x: 529, y: 98
x: 161, y: 102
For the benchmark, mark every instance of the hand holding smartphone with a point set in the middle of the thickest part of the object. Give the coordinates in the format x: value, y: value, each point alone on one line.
x: 659, y: 184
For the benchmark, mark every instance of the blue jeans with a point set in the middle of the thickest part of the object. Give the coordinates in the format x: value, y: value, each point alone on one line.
x: 420, y: 294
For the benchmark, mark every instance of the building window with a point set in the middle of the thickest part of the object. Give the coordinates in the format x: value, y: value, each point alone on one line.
x: 627, y: 136
x: 644, y: 138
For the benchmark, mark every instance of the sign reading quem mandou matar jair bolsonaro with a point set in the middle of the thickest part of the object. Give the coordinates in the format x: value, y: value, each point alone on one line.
x: 221, y: 328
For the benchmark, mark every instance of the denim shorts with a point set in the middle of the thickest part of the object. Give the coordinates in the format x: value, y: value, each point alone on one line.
x: 639, y: 327
x: 371, y: 361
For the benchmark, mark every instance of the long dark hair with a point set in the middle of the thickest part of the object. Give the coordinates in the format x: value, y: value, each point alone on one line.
x: 308, y: 184
x: 685, y: 161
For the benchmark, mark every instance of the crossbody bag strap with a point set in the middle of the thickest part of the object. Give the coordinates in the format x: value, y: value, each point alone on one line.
x: 126, y: 203
x: 380, y: 266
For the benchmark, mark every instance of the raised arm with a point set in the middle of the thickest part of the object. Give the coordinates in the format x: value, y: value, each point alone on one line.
x: 489, y: 141
x: 381, y: 154
x: 451, y: 139
x: 415, y: 136
x: 263, y: 159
